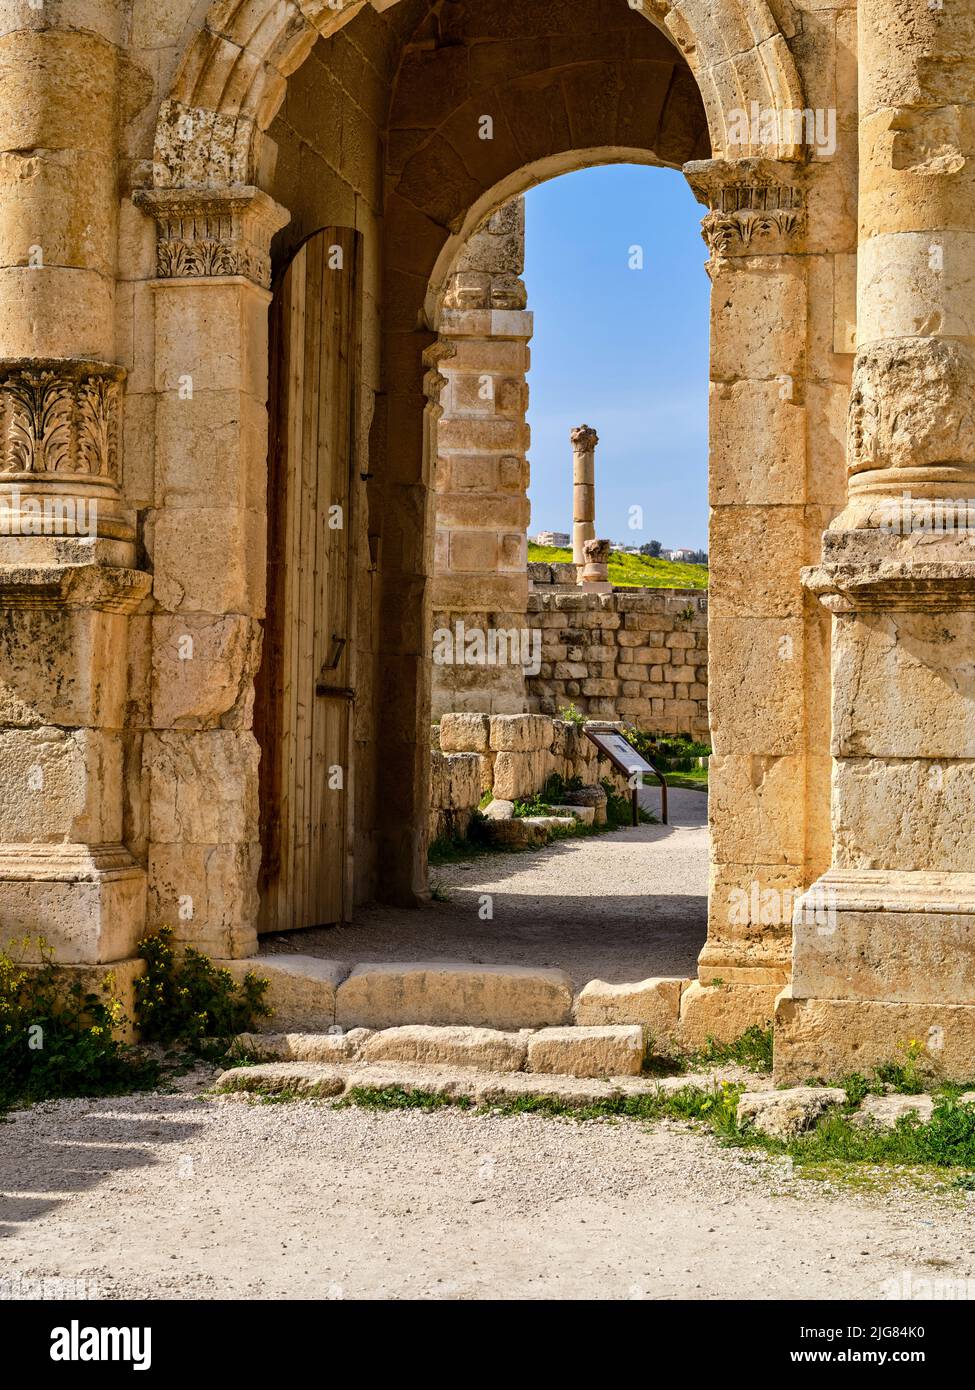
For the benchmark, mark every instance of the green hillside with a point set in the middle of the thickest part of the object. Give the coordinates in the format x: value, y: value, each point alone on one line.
x: 635, y: 571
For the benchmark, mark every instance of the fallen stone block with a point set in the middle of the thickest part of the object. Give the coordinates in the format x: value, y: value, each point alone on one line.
x: 485, y: 1049
x: 270, y: 1078
x: 654, y: 1004
x: 499, y: 810
x: 786, y: 1114
x: 615, y: 1051
x: 584, y: 814
x: 885, y: 1111
x: 723, y: 1013
x: 387, y: 994
x: 301, y: 990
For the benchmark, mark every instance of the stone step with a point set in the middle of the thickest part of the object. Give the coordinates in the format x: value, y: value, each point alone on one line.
x: 323, y: 1080
x: 612, y: 1051
x: 505, y: 997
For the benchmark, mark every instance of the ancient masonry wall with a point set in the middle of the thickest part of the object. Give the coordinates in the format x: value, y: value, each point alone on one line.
x: 640, y: 656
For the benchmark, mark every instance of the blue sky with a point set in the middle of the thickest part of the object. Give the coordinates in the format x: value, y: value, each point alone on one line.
x: 623, y: 350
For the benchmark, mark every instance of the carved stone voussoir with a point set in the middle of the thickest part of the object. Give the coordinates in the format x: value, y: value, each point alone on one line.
x: 755, y: 205
x: 60, y: 417
x: 211, y: 232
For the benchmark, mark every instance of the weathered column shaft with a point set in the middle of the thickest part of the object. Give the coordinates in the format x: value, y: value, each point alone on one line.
x: 584, y: 440
x: 883, y: 951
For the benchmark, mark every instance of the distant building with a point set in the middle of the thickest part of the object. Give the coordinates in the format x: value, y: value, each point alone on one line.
x: 561, y: 539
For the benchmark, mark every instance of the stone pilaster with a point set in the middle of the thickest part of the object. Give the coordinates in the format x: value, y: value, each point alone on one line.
x: 884, y: 949
x: 206, y: 536
x: 769, y: 802
x: 482, y: 509
x: 67, y: 542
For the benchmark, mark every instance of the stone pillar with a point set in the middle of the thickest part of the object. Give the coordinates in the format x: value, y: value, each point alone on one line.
x: 776, y: 386
x: 584, y: 440
x: 67, y: 542
x: 206, y: 537
x: 482, y: 509
x: 884, y: 940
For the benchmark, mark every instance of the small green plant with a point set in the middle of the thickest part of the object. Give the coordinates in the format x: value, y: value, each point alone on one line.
x: 753, y: 1049
x: 572, y: 715
x: 439, y: 893
x: 907, y: 1077
x: 59, y: 1034
x: 185, y: 998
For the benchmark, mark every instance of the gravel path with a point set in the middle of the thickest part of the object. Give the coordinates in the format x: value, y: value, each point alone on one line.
x: 618, y: 907
x: 178, y: 1196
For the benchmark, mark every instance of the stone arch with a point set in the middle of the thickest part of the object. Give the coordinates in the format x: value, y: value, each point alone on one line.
x: 233, y: 74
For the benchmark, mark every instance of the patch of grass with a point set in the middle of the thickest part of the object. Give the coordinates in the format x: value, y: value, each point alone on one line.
x: 696, y: 780
x: 400, y: 1098
x: 753, y: 1049
x: 633, y: 571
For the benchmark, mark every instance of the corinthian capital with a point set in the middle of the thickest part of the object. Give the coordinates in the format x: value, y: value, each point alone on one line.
x: 209, y: 232
x: 584, y: 439
x: 755, y: 205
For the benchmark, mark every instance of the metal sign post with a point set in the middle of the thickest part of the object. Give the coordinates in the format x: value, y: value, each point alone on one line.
x: 627, y: 760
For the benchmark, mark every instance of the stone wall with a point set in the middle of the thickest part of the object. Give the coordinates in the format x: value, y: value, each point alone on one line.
x: 638, y: 655
x: 518, y: 753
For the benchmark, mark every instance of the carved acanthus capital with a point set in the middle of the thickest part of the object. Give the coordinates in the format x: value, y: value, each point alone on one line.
x: 209, y: 232
x: 60, y: 417
x: 584, y: 439
x: 755, y: 204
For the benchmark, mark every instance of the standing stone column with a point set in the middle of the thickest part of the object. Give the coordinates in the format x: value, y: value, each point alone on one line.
x: 207, y: 539
x: 67, y: 542
x: 482, y: 510
x: 883, y: 952
x: 584, y: 440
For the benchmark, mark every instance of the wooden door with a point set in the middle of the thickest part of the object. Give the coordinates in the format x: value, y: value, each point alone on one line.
x: 306, y: 689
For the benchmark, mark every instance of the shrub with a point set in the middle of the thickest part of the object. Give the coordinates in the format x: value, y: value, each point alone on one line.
x: 58, y: 1036
x: 186, y: 998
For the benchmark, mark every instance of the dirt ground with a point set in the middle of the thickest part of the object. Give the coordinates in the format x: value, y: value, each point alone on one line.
x: 623, y: 906
x: 184, y: 1197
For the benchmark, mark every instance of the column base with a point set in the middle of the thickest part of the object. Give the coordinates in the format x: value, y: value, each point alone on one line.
x: 86, y: 904
x: 826, y: 1039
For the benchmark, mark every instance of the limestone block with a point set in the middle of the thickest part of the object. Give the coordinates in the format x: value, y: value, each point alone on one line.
x: 484, y: 1048
x: 757, y: 685
x: 447, y: 992
x: 829, y: 1038
x: 756, y: 554
x: 908, y: 814
x: 208, y: 894
x: 314, y: 1080
x: 464, y: 733
x: 211, y: 450
x: 208, y: 559
x: 203, y: 670
x: 787, y: 1114
x: 758, y: 450
x: 499, y: 810
x: 654, y: 1004
x: 758, y: 320
x: 66, y: 192
x: 904, y: 685
x: 301, y: 990
x: 756, y: 808
x: 587, y: 1051
x: 214, y: 333
x: 84, y: 905
x: 520, y: 732
x: 202, y: 787
x: 879, y: 948
x: 60, y: 785
x: 303, y: 1047
x: 722, y: 1012
x: 883, y: 1112
x: 61, y: 666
